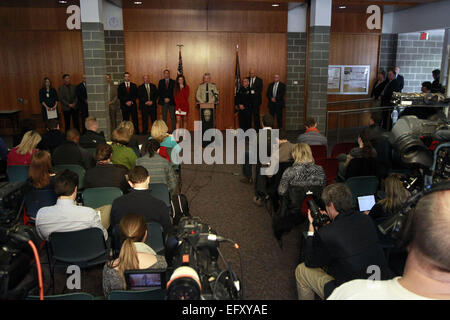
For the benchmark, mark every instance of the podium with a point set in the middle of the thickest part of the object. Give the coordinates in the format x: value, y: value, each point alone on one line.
x: 212, y: 122
x: 206, y: 105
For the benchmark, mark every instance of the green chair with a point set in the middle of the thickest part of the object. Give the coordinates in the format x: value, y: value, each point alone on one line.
x: 67, y: 296
x: 362, y: 186
x: 17, y: 173
x: 79, y: 170
x: 97, y: 197
x: 153, y: 294
x: 155, y: 237
x: 161, y: 192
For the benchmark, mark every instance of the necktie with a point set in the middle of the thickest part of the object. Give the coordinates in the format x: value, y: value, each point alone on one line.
x: 148, y: 91
x: 207, y: 93
x: 109, y: 92
x: 167, y: 84
x: 251, y: 83
x: 128, y: 87
x: 275, y: 87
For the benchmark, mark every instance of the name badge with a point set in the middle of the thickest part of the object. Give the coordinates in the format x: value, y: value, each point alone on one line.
x: 252, y: 92
x: 48, y: 95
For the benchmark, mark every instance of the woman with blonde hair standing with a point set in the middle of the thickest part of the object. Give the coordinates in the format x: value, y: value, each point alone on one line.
x: 135, y: 254
x: 303, y: 172
x: 21, y: 155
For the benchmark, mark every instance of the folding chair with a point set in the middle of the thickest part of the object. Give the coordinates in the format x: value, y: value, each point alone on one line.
x: 97, y: 197
x: 330, y: 166
x: 79, y: 170
x: 319, y: 151
x: 17, y: 173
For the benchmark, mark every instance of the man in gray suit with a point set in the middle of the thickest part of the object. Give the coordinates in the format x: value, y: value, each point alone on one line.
x: 68, y: 96
x: 113, y: 102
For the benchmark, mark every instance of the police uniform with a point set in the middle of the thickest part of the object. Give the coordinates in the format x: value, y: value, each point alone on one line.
x: 244, y: 98
x: 207, y: 93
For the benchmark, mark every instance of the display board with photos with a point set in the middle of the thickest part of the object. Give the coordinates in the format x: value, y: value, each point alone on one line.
x: 348, y: 79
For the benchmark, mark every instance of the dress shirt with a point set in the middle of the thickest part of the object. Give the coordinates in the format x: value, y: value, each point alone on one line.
x: 275, y: 88
x: 65, y: 216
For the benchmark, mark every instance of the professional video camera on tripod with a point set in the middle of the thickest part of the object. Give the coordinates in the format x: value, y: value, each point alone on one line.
x: 197, y: 274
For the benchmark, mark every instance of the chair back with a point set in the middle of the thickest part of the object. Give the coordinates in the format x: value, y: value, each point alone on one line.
x: 79, y: 170
x: 67, y: 296
x: 97, y: 197
x: 36, y: 199
x: 319, y: 151
x: 362, y: 186
x: 17, y: 173
x: 84, y: 248
x: 330, y: 166
x: 152, y: 294
x: 161, y: 192
x: 343, y: 147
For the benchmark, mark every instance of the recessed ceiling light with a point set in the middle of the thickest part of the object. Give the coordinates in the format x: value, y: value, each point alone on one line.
x: 342, y: 7
x: 138, y: 2
x: 275, y: 5
x: 62, y: 1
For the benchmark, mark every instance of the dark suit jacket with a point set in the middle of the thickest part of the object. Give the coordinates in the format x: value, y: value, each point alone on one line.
x: 281, y: 90
x: 243, y: 97
x: 258, y: 88
x: 400, y: 83
x: 142, y: 95
x: 141, y: 202
x: 166, y: 93
x: 390, y: 88
x: 51, y: 140
x: 92, y: 139
x: 82, y: 100
x: 346, y: 247
x: 71, y: 153
x: 106, y: 175
x: 124, y: 96
x: 376, y: 90
x: 67, y: 95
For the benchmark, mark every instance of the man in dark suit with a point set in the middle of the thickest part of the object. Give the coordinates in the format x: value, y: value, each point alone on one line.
x: 71, y: 153
x: 147, y: 94
x: 82, y: 102
x: 399, y: 78
x: 256, y: 88
x: 386, y: 97
x: 127, y: 94
x: 140, y: 200
x: 275, y: 94
x: 334, y: 248
x: 53, y: 138
x: 165, y: 92
x: 92, y: 138
x: 67, y: 94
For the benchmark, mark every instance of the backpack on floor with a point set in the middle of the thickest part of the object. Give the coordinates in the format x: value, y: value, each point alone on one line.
x: 180, y: 207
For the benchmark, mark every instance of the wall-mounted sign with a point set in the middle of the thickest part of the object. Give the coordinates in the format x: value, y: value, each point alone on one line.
x: 347, y: 79
x: 73, y: 22
x: 374, y: 20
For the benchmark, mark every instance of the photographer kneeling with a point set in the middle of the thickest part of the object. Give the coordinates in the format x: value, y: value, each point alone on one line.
x: 340, y: 251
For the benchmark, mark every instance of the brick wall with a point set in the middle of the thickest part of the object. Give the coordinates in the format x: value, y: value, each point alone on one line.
x: 417, y: 58
x: 388, y: 50
x: 295, y: 93
x: 319, y: 47
x: 115, y: 54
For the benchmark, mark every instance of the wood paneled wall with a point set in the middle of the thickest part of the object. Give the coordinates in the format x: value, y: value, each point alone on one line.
x: 35, y: 44
x: 209, y: 38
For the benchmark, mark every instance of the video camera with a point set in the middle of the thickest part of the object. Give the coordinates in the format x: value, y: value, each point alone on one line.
x: 197, y: 274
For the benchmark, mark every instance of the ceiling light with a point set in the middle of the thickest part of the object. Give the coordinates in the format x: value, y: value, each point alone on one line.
x: 62, y: 1
x: 342, y: 7
x: 138, y: 2
x: 275, y: 5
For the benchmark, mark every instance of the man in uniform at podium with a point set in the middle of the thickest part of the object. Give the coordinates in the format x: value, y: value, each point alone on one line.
x: 207, y: 92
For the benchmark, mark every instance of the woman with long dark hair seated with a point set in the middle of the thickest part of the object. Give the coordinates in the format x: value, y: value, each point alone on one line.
x: 135, y: 254
x: 361, y: 161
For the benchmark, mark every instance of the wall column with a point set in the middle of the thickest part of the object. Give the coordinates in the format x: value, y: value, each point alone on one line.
x: 93, y: 39
x: 318, y: 53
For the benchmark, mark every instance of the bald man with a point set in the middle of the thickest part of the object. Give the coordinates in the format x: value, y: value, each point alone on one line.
x: 256, y: 88
x: 147, y: 95
x: 275, y: 94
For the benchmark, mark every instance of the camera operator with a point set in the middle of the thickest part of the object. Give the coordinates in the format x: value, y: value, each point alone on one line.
x: 339, y: 251
x: 427, y: 270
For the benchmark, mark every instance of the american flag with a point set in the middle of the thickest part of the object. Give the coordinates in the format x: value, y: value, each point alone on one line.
x: 180, y: 64
x: 237, y: 75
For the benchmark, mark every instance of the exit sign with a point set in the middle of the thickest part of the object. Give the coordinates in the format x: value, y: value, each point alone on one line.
x: 424, y: 36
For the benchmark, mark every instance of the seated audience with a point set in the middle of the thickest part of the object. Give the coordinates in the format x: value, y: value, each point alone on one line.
x: 133, y: 143
x: 92, y: 138
x: 284, y: 147
x: 21, y: 155
x: 140, y: 200
x: 158, y: 168
x: 105, y: 173
x: 25, y: 126
x: 365, y: 163
x: 122, y: 154
x: 66, y: 216
x: 159, y: 132
x: 53, y: 138
x: 312, y: 136
x: 396, y: 195
x: 374, y: 130
x: 345, y: 247
x: 427, y: 270
x: 135, y: 254
x: 303, y: 172
x: 71, y: 153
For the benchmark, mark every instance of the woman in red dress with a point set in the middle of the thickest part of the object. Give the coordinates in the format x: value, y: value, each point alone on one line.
x: 181, y: 97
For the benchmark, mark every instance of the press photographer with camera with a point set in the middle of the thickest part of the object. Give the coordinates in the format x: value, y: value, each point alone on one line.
x: 427, y: 270
x: 339, y: 251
